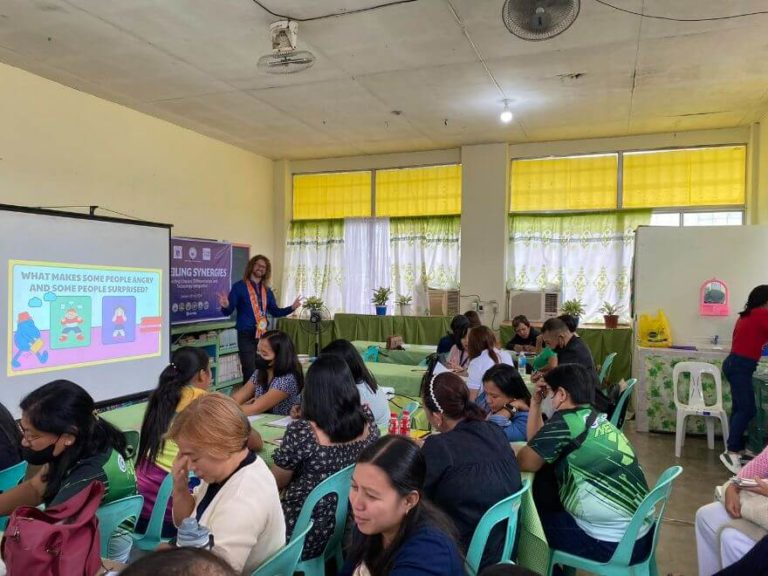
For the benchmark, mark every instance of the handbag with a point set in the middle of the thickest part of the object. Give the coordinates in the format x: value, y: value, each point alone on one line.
x: 62, y: 540
x: 546, y: 489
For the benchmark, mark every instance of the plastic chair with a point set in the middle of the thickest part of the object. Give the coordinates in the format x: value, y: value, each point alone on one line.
x: 10, y: 478
x: 115, y: 513
x: 335, y: 484
x: 504, y: 510
x: 696, y: 405
x: 132, y: 438
x: 152, y: 536
x: 284, y: 561
x: 654, y: 503
x: 605, y: 369
x: 620, y: 412
x: 371, y: 354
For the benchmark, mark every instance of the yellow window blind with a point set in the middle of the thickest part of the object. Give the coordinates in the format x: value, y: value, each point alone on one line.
x: 573, y: 183
x: 430, y: 191
x: 332, y: 195
x: 693, y: 177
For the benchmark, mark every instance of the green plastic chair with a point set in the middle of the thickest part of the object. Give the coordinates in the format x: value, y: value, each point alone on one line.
x: 605, y: 369
x: 112, y: 515
x: 10, y: 478
x: 132, y: 438
x: 620, y: 412
x: 618, y: 565
x: 338, y: 484
x: 284, y: 561
x: 504, y: 510
x: 152, y: 536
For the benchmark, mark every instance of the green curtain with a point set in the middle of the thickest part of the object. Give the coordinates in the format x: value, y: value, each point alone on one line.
x: 424, y: 253
x: 585, y: 256
x: 314, y: 261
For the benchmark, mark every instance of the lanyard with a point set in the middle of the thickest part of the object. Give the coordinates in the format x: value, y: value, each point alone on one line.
x: 258, y: 313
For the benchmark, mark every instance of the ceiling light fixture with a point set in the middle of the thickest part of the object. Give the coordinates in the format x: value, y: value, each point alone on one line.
x: 506, y: 115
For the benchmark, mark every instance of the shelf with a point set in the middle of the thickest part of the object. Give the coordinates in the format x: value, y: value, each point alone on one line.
x: 227, y: 383
x: 223, y: 350
x: 201, y: 327
x: 195, y: 344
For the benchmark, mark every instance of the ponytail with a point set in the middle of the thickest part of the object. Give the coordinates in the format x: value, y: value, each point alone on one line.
x: 186, y: 362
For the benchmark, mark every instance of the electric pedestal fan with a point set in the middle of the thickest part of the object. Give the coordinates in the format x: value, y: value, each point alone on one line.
x: 314, y: 321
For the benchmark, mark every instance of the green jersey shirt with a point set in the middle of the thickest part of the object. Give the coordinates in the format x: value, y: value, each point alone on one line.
x: 601, y: 483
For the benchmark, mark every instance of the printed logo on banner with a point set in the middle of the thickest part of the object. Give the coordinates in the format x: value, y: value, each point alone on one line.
x: 178, y: 253
x: 206, y: 254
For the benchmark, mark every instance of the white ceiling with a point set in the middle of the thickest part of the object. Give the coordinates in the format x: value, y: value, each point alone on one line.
x: 193, y: 63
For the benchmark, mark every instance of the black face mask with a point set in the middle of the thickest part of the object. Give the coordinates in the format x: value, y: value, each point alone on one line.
x: 39, y: 457
x: 261, y: 363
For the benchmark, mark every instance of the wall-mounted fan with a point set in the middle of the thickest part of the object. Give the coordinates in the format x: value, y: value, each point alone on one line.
x: 539, y: 19
x: 315, y: 321
x: 285, y: 59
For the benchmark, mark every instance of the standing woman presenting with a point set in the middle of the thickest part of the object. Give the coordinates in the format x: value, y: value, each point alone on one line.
x: 254, y: 301
x: 749, y: 336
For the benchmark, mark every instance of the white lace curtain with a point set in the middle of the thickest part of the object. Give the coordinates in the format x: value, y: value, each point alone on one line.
x: 366, y: 262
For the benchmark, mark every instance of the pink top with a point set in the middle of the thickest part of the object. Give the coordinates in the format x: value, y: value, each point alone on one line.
x: 458, y: 357
x: 757, y: 467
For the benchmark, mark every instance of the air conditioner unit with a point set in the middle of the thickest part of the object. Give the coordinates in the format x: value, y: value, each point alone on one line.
x: 534, y: 305
x: 443, y: 302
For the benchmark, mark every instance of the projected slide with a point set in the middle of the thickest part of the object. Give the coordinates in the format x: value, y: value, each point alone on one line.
x: 65, y: 315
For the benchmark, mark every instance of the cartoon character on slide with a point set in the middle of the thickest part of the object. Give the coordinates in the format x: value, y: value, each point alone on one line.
x: 27, y: 339
x: 119, y: 319
x: 71, y: 325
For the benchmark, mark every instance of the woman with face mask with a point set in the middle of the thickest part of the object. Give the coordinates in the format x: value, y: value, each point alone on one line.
x: 277, y: 383
x: 599, y: 481
x: 62, y: 433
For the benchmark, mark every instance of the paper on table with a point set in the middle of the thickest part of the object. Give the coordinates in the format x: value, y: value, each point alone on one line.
x: 282, y: 423
x: 255, y: 417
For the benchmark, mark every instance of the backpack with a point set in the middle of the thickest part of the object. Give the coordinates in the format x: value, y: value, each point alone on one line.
x: 60, y: 541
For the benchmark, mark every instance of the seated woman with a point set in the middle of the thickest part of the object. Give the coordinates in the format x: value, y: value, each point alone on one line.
x: 185, y: 379
x: 470, y: 466
x: 722, y: 535
x: 10, y: 440
x: 237, y: 499
x: 483, y: 352
x: 458, y: 358
x: 459, y: 327
x: 525, y: 336
x: 332, y: 432
x: 509, y: 401
x: 396, y: 531
x: 599, y: 481
x: 370, y: 393
x: 276, y: 385
x: 62, y: 433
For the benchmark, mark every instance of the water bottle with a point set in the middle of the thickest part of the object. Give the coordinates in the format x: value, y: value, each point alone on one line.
x: 393, y: 424
x: 193, y: 535
x: 522, y: 361
x: 405, y: 423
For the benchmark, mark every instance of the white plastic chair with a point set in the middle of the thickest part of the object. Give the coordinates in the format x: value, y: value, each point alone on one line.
x: 696, y: 405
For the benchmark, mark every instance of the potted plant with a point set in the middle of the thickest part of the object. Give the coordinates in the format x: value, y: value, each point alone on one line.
x: 314, y: 303
x: 610, y: 314
x: 380, y: 298
x: 404, y: 302
x: 573, y: 308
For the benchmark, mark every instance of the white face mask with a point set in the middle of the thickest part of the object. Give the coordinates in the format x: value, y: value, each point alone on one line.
x: 555, y: 406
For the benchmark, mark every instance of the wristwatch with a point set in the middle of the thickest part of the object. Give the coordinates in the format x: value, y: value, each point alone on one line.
x: 510, y: 408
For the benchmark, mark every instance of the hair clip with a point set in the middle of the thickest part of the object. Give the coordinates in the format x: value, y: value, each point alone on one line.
x: 432, y: 393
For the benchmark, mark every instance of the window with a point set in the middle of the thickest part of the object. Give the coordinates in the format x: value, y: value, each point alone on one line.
x: 332, y: 195
x: 665, y: 219
x: 429, y: 191
x: 719, y: 218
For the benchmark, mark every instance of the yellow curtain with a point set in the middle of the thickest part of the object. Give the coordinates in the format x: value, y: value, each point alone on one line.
x: 573, y: 183
x: 693, y: 177
x: 430, y: 191
x: 332, y: 195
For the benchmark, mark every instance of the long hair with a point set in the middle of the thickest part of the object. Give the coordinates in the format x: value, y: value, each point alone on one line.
x: 347, y: 352
x: 186, y: 363
x: 9, y: 431
x: 331, y: 399
x: 579, y: 382
x: 474, y: 318
x: 459, y: 328
x: 452, y: 397
x: 403, y: 463
x: 63, y: 407
x: 508, y: 380
x: 266, y: 279
x: 214, y: 424
x: 482, y: 338
x: 757, y: 297
x: 286, y: 361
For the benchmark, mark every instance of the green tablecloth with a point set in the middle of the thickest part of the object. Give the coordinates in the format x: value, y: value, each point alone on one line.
x: 130, y: 418
x: 412, y: 355
x: 301, y: 334
x: 601, y: 342
x: 406, y: 380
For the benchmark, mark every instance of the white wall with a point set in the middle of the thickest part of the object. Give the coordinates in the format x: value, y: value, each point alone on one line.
x: 671, y: 264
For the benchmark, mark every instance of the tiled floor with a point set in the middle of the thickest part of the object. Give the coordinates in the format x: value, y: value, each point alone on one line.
x: 702, y: 471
